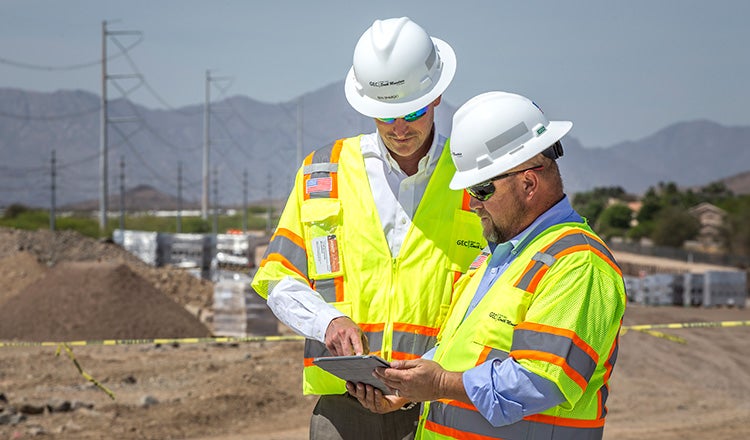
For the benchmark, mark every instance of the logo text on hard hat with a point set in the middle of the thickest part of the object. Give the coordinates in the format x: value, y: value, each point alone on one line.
x: 386, y: 83
x: 541, y: 130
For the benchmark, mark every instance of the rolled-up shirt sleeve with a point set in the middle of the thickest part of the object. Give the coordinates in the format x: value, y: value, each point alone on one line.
x: 301, y: 308
x: 504, y: 392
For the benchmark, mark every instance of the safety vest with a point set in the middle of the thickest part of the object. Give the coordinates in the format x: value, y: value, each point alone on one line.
x: 557, y: 311
x: 330, y: 236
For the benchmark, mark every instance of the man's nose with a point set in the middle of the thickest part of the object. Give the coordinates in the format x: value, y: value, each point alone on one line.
x: 400, y: 126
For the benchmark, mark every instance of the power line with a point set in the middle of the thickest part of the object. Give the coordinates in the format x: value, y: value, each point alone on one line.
x: 76, y: 66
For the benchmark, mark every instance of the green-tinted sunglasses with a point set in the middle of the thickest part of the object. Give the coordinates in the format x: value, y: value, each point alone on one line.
x: 411, y: 117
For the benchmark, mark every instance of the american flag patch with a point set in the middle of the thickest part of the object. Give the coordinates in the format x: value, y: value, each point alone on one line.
x: 479, y: 260
x: 318, y: 184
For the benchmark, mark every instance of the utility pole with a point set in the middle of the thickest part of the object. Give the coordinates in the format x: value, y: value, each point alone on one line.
x: 52, y: 190
x: 270, y: 209
x: 215, y: 227
x: 104, y: 190
x: 206, y: 145
x: 244, y: 202
x: 122, y: 193
x: 179, y: 197
x: 300, y: 102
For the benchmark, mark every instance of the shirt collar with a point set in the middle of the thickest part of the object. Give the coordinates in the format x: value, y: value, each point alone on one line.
x: 428, y: 162
x: 561, y: 212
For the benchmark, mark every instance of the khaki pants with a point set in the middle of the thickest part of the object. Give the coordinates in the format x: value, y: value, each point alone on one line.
x: 341, y: 417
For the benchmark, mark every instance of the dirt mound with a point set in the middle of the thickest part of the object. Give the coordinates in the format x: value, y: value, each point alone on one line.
x: 93, y: 301
x: 49, y: 248
x: 18, y: 271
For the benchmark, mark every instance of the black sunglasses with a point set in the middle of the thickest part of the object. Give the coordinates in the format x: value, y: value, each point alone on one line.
x: 483, y: 191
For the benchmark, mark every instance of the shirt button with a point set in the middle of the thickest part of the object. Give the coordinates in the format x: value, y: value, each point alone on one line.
x: 403, y: 221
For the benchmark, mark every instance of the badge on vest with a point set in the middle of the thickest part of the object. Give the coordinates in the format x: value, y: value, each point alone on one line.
x: 318, y: 184
x: 326, y: 254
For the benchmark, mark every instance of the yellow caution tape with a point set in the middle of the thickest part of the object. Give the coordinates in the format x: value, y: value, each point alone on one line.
x: 649, y: 328
x: 646, y: 328
x: 164, y: 341
x: 688, y: 325
x: 658, y: 334
x: 83, y: 373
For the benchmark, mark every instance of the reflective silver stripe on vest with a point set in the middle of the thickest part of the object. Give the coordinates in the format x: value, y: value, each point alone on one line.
x: 604, y: 392
x: 406, y: 342
x: 375, y: 340
x: 321, y: 166
x: 326, y: 167
x: 290, y: 250
x: 315, y: 348
x: 548, y: 257
x: 561, y: 346
x: 473, y: 422
x: 327, y: 289
x: 494, y: 353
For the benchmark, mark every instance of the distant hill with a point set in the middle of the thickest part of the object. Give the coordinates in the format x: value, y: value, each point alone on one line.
x: 739, y: 184
x: 140, y: 198
x: 259, y: 140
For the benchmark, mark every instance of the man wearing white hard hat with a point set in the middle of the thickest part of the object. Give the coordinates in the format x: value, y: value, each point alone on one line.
x: 372, y: 239
x: 529, y: 347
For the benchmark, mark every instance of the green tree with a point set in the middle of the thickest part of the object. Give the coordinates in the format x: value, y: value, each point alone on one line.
x: 673, y: 226
x: 592, y: 203
x: 616, y: 218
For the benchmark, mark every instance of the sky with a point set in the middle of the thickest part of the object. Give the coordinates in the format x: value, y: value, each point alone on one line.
x: 619, y: 70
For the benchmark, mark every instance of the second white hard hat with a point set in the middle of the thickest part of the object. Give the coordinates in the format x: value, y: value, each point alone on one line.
x: 497, y: 131
x: 397, y: 69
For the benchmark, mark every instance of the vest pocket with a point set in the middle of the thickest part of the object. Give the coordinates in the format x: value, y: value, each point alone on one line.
x: 322, y: 223
x: 466, y: 240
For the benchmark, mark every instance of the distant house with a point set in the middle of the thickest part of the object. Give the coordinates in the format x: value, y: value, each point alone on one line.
x: 712, y: 235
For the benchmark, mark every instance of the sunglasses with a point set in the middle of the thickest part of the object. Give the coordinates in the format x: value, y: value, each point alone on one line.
x: 483, y: 191
x: 411, y: 117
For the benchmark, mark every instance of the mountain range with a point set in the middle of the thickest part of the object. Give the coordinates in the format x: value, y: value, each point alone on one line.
x: 54, y: 140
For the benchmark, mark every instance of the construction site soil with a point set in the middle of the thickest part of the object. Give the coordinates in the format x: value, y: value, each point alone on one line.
x: 60, y: 286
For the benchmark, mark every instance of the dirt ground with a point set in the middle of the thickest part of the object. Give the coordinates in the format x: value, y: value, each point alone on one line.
x: 661, y: 388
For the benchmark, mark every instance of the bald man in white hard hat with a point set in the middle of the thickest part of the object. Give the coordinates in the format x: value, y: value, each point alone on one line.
x: 372, y: 239
x: 529, y: 347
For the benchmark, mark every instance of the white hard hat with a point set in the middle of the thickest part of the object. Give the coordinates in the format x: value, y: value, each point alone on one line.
x: 397, y: 69
x: 495, y: 132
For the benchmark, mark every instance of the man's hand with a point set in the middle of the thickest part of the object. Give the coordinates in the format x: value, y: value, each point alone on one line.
x: 420, y: 380
x: 374, y: 399
x: 345, y: 338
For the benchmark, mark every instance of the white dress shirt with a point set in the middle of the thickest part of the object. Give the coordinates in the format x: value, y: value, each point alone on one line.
x: 396, y: 197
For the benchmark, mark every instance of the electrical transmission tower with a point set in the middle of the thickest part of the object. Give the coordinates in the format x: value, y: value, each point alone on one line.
x: 207, y: 141
x: 105, y: 120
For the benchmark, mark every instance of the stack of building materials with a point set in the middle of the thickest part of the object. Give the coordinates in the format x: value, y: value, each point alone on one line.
x: 660, y: 289
x: 142, y: 244
x: 725, y: 288
x: 188, y: 251
x: 238, y: 310
x: 708, y: 289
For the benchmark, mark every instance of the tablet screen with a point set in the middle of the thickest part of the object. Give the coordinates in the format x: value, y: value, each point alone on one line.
x: 355, y: 368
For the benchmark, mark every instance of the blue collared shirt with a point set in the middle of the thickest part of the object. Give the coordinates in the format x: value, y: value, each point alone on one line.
x: 504, y: 391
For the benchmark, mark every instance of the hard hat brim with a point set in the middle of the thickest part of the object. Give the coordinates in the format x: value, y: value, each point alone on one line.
x: 378, y: 109
x: 555, y: 131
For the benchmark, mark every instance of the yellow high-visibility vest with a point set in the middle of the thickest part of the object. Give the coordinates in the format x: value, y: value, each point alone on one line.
x: 557, y: 311
x: 330, y: 236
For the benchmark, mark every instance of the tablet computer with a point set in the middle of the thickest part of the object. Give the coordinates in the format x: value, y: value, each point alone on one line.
x: 355, y: 368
